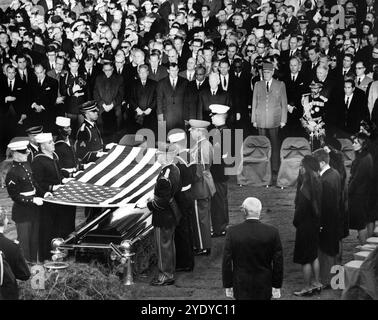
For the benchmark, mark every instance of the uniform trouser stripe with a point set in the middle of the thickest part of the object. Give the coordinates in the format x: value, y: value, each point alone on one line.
x: 198, y: 224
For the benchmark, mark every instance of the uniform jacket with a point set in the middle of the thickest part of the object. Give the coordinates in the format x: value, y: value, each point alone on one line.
x: 46, y: 173
x: 88, y: 142
x: 67, y: 156
x: 252, y: 260
x: 218, y: 167
x: 72, y: 101
x: 12, y: 255
x: 269, y: 109
x: 21, y: 189
x: 202, y: 158
x: 17, y: 107
x: 168, y: 183
x: 206, y: 99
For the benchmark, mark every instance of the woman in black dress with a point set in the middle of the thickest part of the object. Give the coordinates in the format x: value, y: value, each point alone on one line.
x: 307, y: 223
x: 359, y: 187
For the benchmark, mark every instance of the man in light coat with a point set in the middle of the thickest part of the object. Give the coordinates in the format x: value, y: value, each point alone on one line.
x: 269, y: 110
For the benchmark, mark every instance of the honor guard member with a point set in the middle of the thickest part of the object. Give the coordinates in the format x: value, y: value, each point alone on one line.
x: 21, y: 189
x: 219, y: 202
x: 203, y: 187
x: 46, y: 173
x: 165, y: 215
x: 89, y: 144
x: 64, y: 148
x: 68, y: 166
x: 184, y: 231
x: 33, y: 145
x: 12, y: 264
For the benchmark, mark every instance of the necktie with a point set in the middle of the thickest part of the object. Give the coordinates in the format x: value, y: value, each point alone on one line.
x: 359, y: 81
x: 291, y: 54
x: 347, y: 102
x: 224, y: 83
x: 293, y: 78
x: 267, y: 87
x: 11, y: 84
x: 213, y: 93
x: 344, y: 73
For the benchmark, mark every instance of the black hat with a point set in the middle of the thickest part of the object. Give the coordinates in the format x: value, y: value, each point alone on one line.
x: 88, y: 106
x: 56, y: 19
x: 34, y: 130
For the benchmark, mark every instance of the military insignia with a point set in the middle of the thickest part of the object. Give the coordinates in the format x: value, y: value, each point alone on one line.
x: 11, y: 182
x: 324, y: 98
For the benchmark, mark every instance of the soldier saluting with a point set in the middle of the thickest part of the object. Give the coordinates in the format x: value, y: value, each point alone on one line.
x: 165, y: 215
x: 21, y: 189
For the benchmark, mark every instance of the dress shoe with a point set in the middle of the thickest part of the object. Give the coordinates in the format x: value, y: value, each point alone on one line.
x: 167, y: 282
x: 304, y: 292
x: 203, y: 252
x: 216, y: 235
x: 187, y: 269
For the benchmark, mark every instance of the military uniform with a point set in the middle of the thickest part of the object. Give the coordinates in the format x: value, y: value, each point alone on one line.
x: 21, y: 189
x: 164, y: 220
x: 88, y: 142
x: 46, y: 172
x: 184, y: 232
x: 219, y: 202
x: 12, y: 255
x: 202, y: 190
x: 33, y: 152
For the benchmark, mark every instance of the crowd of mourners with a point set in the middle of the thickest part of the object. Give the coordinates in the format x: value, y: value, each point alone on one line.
x: 79, y: 74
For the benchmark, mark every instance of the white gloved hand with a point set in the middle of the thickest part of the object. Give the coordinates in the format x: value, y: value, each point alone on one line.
x: 85, y: 166
x: 110, y: 145
x: 276, y: 293
x: 38, y: 201
x: 56, y: 187
x: 238, y: 116
x: 255, y: 124
x: 290, y: 108
x: 47, y: 195
x: 148, y: 111
x: 66, y: 180
x: 229, y: 292
x: 100, y: 154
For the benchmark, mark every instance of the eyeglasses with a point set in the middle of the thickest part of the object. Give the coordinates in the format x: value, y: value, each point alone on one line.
x: 333, y: 59
x: 360, y: 68
x: 171, y: 19
x: 250, y: 50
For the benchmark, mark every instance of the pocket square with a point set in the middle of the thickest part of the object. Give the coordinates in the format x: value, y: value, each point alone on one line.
x: 19, y: 88
x: 48, y: 88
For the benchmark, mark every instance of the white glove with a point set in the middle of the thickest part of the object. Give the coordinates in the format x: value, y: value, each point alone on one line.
x: 238, y: 116
x: 85, y: 166
x: 229, y: 292
x: 276, y: 293
x: 255, y: 124
x: 65, y: 180
x: 76, y: 88
x: 100, y: 154
x: 110, y: 145
x: 148, y: 111
x: 38, y: 201
x: 141, y: 205
x: 10, y: 99
x: 290, y: 108
x: 47, y: 195
x: 56, y: 187
x: 139, y: 111
x: 282, y: 124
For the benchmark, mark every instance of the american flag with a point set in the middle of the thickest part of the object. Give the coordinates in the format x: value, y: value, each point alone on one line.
x: 125, y: 175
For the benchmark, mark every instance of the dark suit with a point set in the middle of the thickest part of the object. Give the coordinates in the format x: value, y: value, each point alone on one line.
x: 109, y: 91
x: 210, y: 25
x: 160, y: 74
x: 347, y: 120
x: 143, y: 97
x: 191, y: 100
x: 44, y: 95
x: 215, y: 6
x: 294, y: 91
x: 170, y: 102
x: 252, y: 260
x: 242, y: 98
x: 206, y: 98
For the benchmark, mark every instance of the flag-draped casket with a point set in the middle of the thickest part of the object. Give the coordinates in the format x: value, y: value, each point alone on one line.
x: 120, y: 182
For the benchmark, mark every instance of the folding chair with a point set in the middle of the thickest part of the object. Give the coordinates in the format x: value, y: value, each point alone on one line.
x: 292, y: 152
x: 256, y: 152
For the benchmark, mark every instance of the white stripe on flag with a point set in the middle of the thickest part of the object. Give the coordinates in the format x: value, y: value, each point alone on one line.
x: 147, y: 157
x: 130, y: 157
x: 135, y: 184
x: 101, y: 166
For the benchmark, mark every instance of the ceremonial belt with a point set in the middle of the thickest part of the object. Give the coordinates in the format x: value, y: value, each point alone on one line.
x: 186, y: 188
x: 28, y: 193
